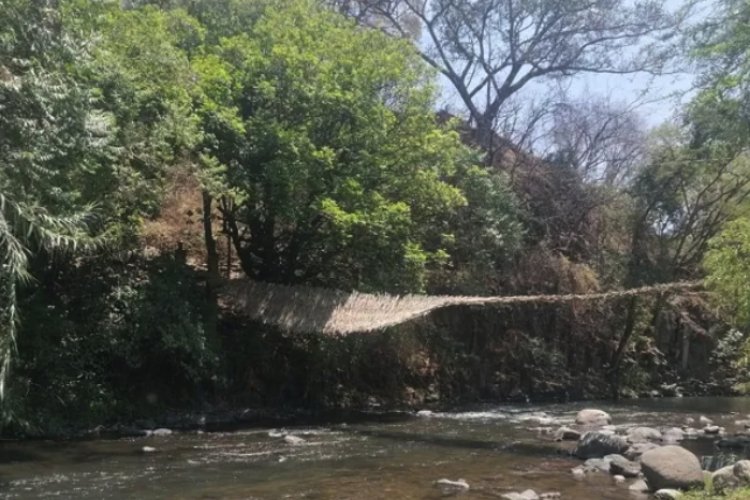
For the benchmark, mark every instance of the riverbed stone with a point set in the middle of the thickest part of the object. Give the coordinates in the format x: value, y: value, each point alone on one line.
x: 293, y: 440
x: 596, y: 464
x: 620, y: 465
x: 592, y: 417
x: 639, y: 486
x: 643, y: 434
x: 742, y: 471
x: 637, y: 449
x: 619, y: 479
x: 667, y: 494
x: 724, y: 479
x: 671, y: 467
x: 525, y: 495
x: 705, y: 420
x: 598, y: 444
x: 148, y: 449
x: 712, y: 429
x: 567, y: 434
x: 160, y: 432
x: 449, y: 486
x: 673, y: 435
x: 734, y: 443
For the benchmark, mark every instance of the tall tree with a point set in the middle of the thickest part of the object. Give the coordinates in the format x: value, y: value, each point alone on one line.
x: 488, y: 50
x: 49, y: 137
x: 331, y: 150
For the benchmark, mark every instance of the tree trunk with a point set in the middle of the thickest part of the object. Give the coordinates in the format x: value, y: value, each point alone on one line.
x: 213, y: 278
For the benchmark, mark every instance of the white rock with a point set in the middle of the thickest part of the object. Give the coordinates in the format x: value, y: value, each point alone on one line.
x: 593, y: 417
x: 448, y: 485
x: 526, y: 495
x: 160, y: 432
x: 293, y: 440
x: 667, y: 494
x: 424, y: 413
x: 705, y: 420
x: 148, y: 449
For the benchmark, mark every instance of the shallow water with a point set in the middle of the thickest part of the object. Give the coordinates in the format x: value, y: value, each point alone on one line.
x: 495, y: 449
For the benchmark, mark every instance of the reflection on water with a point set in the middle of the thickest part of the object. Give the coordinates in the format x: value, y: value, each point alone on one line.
x: 496, y: 450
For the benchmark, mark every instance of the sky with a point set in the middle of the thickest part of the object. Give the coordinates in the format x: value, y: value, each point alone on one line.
x: 656, y: 99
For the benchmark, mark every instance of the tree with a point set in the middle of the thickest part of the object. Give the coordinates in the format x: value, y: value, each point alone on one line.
x: 48, y: 138
x: 489, y: 50
x: 331, y: 152
x: 728, y: 266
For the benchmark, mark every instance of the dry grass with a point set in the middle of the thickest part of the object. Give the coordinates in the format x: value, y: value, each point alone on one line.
x: 303, y: 309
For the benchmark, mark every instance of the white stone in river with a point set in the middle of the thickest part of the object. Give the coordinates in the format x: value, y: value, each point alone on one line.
x: 161, y: 432
x: 293, y: 440
x: 448, y: 485
x: 526, y: 495
x: 148, y: 449
x: 424, y: 413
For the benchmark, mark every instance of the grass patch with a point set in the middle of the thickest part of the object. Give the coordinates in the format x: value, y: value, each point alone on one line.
x: 738, y: 494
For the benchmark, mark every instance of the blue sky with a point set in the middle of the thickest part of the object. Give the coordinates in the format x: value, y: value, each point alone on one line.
x: 655, y: 99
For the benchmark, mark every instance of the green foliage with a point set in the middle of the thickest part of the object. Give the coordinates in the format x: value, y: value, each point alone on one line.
x: 125, y: 340
x: 728, y: 266
x: 331, y: 147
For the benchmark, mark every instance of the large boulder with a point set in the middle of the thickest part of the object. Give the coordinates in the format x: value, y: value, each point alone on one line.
x: 724, y: 479
x: 742, y: 471
x: 599, y: 444
x: 671, y: 467
x: 591, y: 418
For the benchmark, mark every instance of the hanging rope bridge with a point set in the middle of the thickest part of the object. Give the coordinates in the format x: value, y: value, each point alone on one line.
x: 301, y: 309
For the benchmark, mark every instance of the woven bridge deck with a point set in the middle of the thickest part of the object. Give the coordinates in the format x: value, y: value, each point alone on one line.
x: 302, y: 309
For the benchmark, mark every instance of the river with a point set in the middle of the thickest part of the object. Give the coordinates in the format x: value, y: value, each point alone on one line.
x: 494, y: 449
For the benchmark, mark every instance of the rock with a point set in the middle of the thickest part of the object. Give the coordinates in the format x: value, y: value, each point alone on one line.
x: 637, y: 449
x: 742, y: 423
x: 160, y: 432
x: 596, y: 464
x: 567, y: 434
x: 424, y: 413
x: 578, y: 472
x: 666, y: 494
x: 526, y: 495
x: 671, y: 467
x: 724, y: 479
x: 148, y: 449
x: 293, y: 440
x: 452, y: 486
x: 689, y: 421
x: 599, y: 444
x: 734, y: 443
x: 673, y: 435
x: 550, y: 495
x: 705, y: 420
x: 590, y: 417
x: 639, y: 486
x: 642, y: 434
x: 622, y: 466
x: 618, y: 479
x: 742, y: 471
x: 711, y: 429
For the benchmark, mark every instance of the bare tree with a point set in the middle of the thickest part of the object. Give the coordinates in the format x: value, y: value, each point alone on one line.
x: 604, y: 141
x: 488, y: 50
